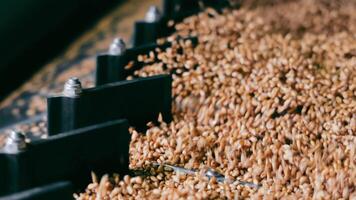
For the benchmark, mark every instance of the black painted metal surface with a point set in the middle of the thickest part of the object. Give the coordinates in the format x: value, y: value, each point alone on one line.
x: 148, y: 32
x: 177, y: 10
x: 102, y: 148
x: 111, y: 68
x: 54, y: 191
x: 139, y: 100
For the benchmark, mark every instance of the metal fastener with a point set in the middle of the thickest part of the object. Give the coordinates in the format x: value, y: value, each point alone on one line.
x: 117, y: 47
x: 15, y: 142
x: 209, y: 173
x: 153, y: 14
x: 72, y: 88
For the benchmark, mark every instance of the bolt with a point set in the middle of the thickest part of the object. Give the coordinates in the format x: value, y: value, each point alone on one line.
x: 153, y: 14
x: 15, y: 142
x: 72, y: 88
x: 117, y: 47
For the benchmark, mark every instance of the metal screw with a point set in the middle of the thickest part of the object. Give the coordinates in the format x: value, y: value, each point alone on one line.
x: 72, y: 88
x: 117, y: 47
x: 15, y: 142
x: 153, y: 14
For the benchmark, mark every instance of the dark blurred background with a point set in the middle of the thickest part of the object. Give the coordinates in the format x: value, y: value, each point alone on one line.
x: 34, y: 31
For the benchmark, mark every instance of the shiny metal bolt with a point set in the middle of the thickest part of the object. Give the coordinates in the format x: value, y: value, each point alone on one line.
x: 15, y: 142
x: 72, y: 88
x: 117, y: 47
x: 153, y: 14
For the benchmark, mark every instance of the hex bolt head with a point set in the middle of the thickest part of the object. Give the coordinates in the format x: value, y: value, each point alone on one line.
x: 72, y: 88
x: 117, y: 47
x: 153, y: 14
x: 15, y: 142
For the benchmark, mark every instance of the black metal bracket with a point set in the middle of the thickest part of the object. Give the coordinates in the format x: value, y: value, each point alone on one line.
x: 102, y: 148
x: 148, y: 32
x: 61, y: 190
x: 111, y: 68
x: 177, y: 10
x: 139, y: 101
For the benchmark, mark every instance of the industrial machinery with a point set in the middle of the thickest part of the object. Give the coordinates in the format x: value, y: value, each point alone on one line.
x: 88, y: 127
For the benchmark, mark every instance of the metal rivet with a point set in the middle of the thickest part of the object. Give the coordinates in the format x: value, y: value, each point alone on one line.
x: 117, y: 47
x: 153, y: 14
x: 72, y: 88
x: 15, y: 142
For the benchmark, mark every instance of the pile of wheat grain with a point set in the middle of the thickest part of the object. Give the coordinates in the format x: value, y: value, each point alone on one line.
x: 268, y: 96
